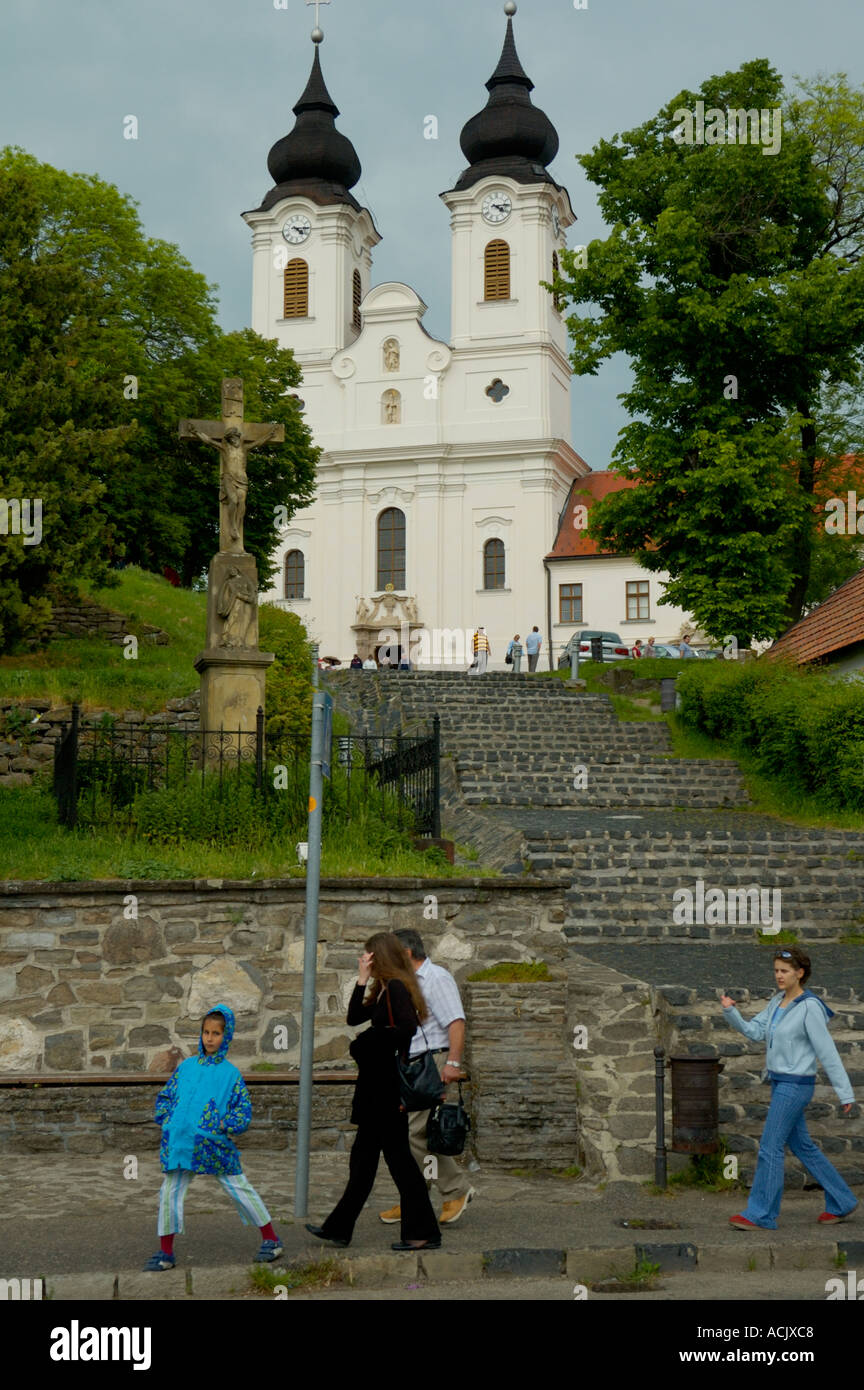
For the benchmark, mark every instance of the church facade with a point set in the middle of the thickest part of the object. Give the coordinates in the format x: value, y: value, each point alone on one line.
x: 445, y: 466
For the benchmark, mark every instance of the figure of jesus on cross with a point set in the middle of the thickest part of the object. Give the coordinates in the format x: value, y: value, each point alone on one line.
x: 234, y: 438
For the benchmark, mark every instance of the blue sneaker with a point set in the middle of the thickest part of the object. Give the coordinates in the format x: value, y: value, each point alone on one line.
x: 270, y: 1250
x: 161, y: 1261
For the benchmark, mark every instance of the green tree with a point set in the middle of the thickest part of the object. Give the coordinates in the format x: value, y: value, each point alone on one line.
x: 107, y: 339
x: 722, y: 279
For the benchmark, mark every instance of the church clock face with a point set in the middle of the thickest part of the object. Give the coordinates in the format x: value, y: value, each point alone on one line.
x: 496, y: 207
x: 297, y: 229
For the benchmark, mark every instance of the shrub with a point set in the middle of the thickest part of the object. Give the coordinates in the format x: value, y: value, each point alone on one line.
x: 805, y: 727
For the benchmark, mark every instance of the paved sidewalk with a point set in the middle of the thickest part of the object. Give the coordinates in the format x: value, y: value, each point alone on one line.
x: 89, y: 1230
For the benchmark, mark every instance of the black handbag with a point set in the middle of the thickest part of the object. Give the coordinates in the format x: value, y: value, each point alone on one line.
x: 508, y: 659
x: 420, y: 1084
x: 447, y: 1127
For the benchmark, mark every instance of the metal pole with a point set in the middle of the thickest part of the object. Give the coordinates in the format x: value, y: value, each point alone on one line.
x: 315, y: 650
x: 310, y: 958
x: 436, y: 784
x: 574, y: 661
x: 660, y: 1151
x: 259, y: 749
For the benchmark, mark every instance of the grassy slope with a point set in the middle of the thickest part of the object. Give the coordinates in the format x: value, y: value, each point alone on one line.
x: 98, y: 674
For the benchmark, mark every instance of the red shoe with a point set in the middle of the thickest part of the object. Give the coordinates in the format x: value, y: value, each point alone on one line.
x: 742, y: 1224
x: 829, y: 1217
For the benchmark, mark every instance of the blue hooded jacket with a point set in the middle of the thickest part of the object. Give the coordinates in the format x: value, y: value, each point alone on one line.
x: 204, y: 1102
x: 798, y: 1039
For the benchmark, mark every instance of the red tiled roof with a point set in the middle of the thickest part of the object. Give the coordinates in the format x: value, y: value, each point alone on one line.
x: 838, y: 622
x: 572, y: 540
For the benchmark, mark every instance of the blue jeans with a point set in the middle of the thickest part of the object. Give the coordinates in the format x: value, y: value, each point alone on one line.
x: 784, y: 1126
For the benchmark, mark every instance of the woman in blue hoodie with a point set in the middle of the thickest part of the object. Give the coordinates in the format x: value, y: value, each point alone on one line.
x: 795, y: 1024
x: 205, y: 1102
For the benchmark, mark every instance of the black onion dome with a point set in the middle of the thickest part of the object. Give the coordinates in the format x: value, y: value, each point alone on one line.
x: 314, y: 159
x: 510, y: 136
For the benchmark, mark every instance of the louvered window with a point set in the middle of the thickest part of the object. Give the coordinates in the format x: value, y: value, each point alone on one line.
x: 497, y: 271
x: 358, y: 295
x: 556, y: 298
x: 296, y: 290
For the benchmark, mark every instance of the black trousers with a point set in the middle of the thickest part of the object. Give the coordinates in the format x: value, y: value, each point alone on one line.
x: 387, y: 1135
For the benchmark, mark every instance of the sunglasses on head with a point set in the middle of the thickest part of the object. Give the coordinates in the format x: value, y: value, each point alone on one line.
x: 787, y: 955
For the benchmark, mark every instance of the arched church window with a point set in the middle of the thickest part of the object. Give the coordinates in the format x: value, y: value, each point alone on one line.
x: 296, y: 282
x: 295, y: 574
x: 391, y: 355
x: 391, y: 408
x: 357, y: 296
x: 391, y: 548
x: 556, y: 298
x: 493, y: 565
x: 496, y: 278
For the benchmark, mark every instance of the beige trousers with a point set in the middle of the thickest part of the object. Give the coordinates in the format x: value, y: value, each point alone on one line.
x: 449, y: 1177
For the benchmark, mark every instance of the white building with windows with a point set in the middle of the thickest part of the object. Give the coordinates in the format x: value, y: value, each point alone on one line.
x: 445, y: 466
x: 591, y: 588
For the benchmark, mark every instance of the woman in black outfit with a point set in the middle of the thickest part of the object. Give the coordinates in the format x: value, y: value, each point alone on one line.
x: 394, y: 1006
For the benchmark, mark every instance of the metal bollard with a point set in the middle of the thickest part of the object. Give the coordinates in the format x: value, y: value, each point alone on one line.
x: 517, y: 658
x: 659, y: 1100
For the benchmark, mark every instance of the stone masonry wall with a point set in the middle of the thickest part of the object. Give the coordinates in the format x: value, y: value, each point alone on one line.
x: 525, y: 1092
x: 86, y: 984
x: 86, y: 619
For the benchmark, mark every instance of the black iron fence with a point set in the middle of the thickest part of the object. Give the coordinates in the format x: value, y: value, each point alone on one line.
x: 100, y: 769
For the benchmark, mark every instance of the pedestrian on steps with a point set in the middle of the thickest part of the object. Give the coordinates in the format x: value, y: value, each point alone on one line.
x: 533, y: 643
x: 795, y: 1024
x: 393, y: 1007
x: 482, y: 653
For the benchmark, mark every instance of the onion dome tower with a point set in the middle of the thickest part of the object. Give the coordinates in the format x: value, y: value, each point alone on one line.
x: 510, y: 137
x: 314, y: 160
x: 311, y: 240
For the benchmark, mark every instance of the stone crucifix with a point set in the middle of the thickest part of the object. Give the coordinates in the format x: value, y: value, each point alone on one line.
x: 234, y: 438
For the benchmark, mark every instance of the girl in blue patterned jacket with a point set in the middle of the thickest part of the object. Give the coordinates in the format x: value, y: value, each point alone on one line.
x: 204, y: 1103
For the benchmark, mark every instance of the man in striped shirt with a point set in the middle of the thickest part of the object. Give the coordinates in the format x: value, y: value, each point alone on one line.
x: 445, y: 1038
x: 482, y: 652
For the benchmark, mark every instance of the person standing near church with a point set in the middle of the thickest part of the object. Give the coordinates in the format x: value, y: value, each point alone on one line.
x: 445, y: 1038
x: 533, y: 643
x: 482, y: 653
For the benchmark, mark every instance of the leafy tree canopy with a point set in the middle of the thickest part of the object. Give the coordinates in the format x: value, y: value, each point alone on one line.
x: 732, y: 278
x: 107, y: 339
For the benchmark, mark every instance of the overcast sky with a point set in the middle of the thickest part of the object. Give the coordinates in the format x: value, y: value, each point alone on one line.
x: 212, y: 83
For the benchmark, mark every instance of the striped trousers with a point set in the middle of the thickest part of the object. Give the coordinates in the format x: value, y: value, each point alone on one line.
x: 172, y: 1196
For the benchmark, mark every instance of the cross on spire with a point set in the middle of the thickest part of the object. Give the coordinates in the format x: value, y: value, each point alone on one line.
x: 316, y: 3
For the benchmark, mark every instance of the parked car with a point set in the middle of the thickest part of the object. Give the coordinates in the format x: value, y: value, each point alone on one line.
x: 613, y: 648
x: 710, y: 653
x: 661, y: 649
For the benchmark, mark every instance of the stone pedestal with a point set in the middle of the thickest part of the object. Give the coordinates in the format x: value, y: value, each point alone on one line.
x: 231, y: 667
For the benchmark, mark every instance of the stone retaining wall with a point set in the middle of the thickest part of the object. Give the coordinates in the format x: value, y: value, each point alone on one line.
x: 85, y: 619
x: 98, y: 1119
x: 525, y: 1095
x: 87, y: 984
x: 30, y: 728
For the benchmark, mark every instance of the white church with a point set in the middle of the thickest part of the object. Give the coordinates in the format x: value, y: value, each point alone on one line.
x: 446, y: 471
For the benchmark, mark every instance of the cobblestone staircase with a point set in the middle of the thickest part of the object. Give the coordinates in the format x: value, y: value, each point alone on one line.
x: 636, y: 975
x: 621, y: 882
x: 525, y: 741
